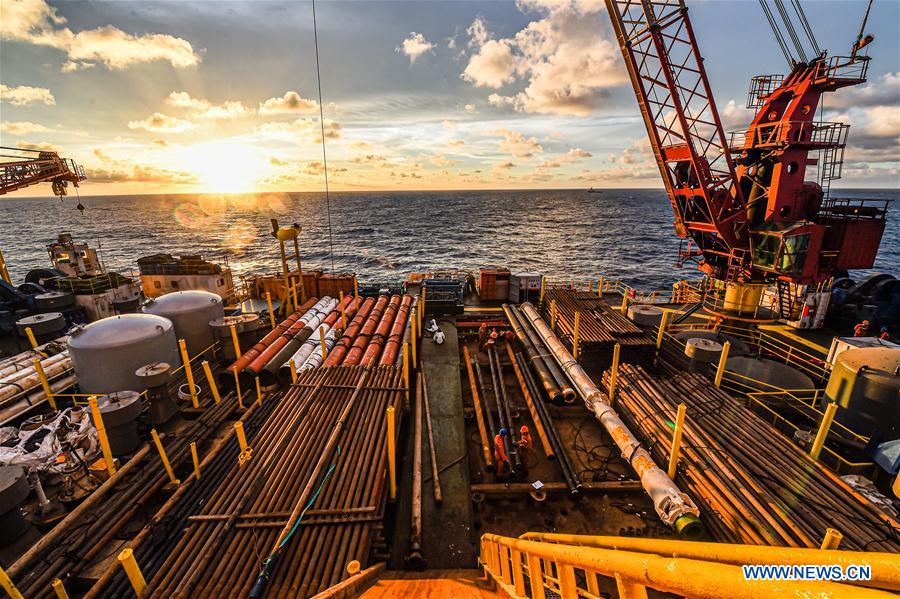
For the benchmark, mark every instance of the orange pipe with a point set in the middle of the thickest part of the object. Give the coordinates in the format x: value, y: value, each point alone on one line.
x: 354, y: 354
x: 343, y: 344
x: 351, y: 305
x: 227, y: 378
x: 368, y: 345
x: 392, y: 346
x: 377, y: 343
x: 260, y: 360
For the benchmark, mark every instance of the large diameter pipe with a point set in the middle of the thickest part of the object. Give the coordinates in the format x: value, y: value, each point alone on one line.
x: 673, y: 507
x: 380, y: 311
x: 226, y: 377
x: 567, y: 393
x: 311, y: 321
x: 346, y: 341
x: 259, y: 362
x: 534, y: 356
x: 392, y: 345
x: 27, y: 379
x: 379, y: 338
x: 315, y: 359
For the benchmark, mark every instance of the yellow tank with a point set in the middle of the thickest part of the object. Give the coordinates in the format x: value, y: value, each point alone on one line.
x: 742, y: 298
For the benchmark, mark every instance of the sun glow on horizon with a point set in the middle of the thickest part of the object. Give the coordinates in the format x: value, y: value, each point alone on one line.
x: 223, y: 168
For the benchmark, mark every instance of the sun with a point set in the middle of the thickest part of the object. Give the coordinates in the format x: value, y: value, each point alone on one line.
x: 223, y: 167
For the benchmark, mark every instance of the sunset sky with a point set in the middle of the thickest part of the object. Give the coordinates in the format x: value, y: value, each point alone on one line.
x: 221, y: 96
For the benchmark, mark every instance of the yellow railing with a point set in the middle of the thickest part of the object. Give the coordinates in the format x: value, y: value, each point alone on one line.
x: 686, y: 291
x: 572, y: 566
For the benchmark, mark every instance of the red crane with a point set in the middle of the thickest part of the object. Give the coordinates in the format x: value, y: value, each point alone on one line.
x: 18, y: 171
x: 743, y: 202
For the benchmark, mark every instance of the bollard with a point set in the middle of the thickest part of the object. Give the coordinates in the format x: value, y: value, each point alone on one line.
x: 101, y: 433
x: 392, y: 454
x: 8, y: 585
x: 271, y: 311
x: 823, y: 431
x: 236, y: 342
x: 293, y: 372
x: 30, y: 334
x: 237, y: 390
x: 662, y: 329
x: 343, y: 313
x: 406, y: 368
x: 45, y: 383
x: 164, y: 457
x: 832, y: 539
x: 188, y: 372
x: 322, y: 344
x: 553, y: 315
x: 614, y: 375
x: 675, y: 453
x: 60, y: 589
x: 212, y: 382
x: 196, y: 459
x: 258, y: 392
x: 241, y: 437
x: 575, y: 336
x: 720, y: 370
x: 132, y: 570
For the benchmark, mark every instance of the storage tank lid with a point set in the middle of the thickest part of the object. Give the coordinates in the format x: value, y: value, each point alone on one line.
x: 877, y: 360
x: 181, y: 301
x: 115, y: 331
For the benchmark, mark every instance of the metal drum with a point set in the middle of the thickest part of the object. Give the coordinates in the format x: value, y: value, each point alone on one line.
x: 120, y: 412
x: 190, y: 313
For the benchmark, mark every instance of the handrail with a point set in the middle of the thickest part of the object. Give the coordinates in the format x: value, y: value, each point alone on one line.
x: 557, y: 567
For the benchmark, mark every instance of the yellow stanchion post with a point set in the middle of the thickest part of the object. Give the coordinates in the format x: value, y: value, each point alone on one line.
x: 196, y: 459
x: 600, y: 288
x: 406, y: 368
x: 4, y: 273
x: 392, y: 454
x: 214, y: 389
x: 188, y: 372
x: 896, y: 486
x: 271, y: 311
x: 44, y: 383
x: 101, y: 433
x: 662, y: 328
x: 294, y: 293
x: 675, y: 452
x: 241, y: 437
x: 322, y: 344
x: 422, y: 312
x: 720, y: 370
x: 293, y: 372
x: 543, y: 288
x: 553, y: 314
x: 343, y: 312
x: 624, y: 301
x: 413, y: 339
x: 819, y: 442
x: 355, y: 289
x: 133, y: 571
x: 575, y: 335
x: 236, y: 342
x: 832, y: 539
x: 258, y: 392
x: 30, y: 334
x: 60, y: 589
x: 614, y: 374
x: 237, y: 390
x: 8, y: 585
x: 165, y: 459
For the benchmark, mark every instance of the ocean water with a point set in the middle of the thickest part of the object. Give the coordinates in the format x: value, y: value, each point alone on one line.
x: 626, y: 234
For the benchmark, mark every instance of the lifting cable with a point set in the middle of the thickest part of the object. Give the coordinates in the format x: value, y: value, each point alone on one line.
x: 806, y: 27
x: 778, y: 37
x: 322, y: 129
x: 786, y: 17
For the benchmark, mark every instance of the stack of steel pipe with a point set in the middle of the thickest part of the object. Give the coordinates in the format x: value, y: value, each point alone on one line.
x: 381, y: 316
x: 345, y: 342
x: 554, y: 382
x: 295, y: 463
x: 256, y: 366
x: 81, y: 537
x: 309, y: 346
x: 395, y: 339
x: 316, y: 358
x: 599, y: 322
x: 20, y: 384
x: 672, y: 506
x: 303, y: 330
x: 753, y: 484
x: 156, y: 540
x: 507, y: 429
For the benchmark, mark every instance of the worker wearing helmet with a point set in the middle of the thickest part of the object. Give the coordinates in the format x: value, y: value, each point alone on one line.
x: 885, y: 335
x: 862, y: 329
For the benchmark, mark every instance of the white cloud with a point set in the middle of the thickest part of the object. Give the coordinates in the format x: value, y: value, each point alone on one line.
x: 35, y: 22
x: 563, y: 59
x: 414, y: 46
x: 161, y: 123
x: 518, y: 145
x: 883, y: 92
x: 205, y: 109
x: 500, y: 167
x: 24, y: 95
x: 290, y: 103
x: 22, y: 127
x: 303, y: 130
x: 470, y: 108
x: 883, y: 121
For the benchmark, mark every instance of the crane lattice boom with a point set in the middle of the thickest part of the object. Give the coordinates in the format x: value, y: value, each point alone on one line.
x: 23, y: 171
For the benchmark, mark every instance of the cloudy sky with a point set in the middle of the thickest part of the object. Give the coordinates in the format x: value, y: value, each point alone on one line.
x: 222, y: 97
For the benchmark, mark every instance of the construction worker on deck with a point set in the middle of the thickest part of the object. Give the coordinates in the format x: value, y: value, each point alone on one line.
x: 885, y: 335
x: 862, y: 329
x: 500, y: 454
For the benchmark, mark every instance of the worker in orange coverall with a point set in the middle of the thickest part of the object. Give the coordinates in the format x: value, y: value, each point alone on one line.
x: 500, y: 454
x: 862, y: 329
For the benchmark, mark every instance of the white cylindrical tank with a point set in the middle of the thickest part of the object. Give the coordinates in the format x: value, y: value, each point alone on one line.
x: 190, y: 312
x: 106, y: 353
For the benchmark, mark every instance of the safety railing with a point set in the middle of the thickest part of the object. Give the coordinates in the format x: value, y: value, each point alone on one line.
x: 572, y: 566
x: 820, y: 134
x: 682, y: 292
